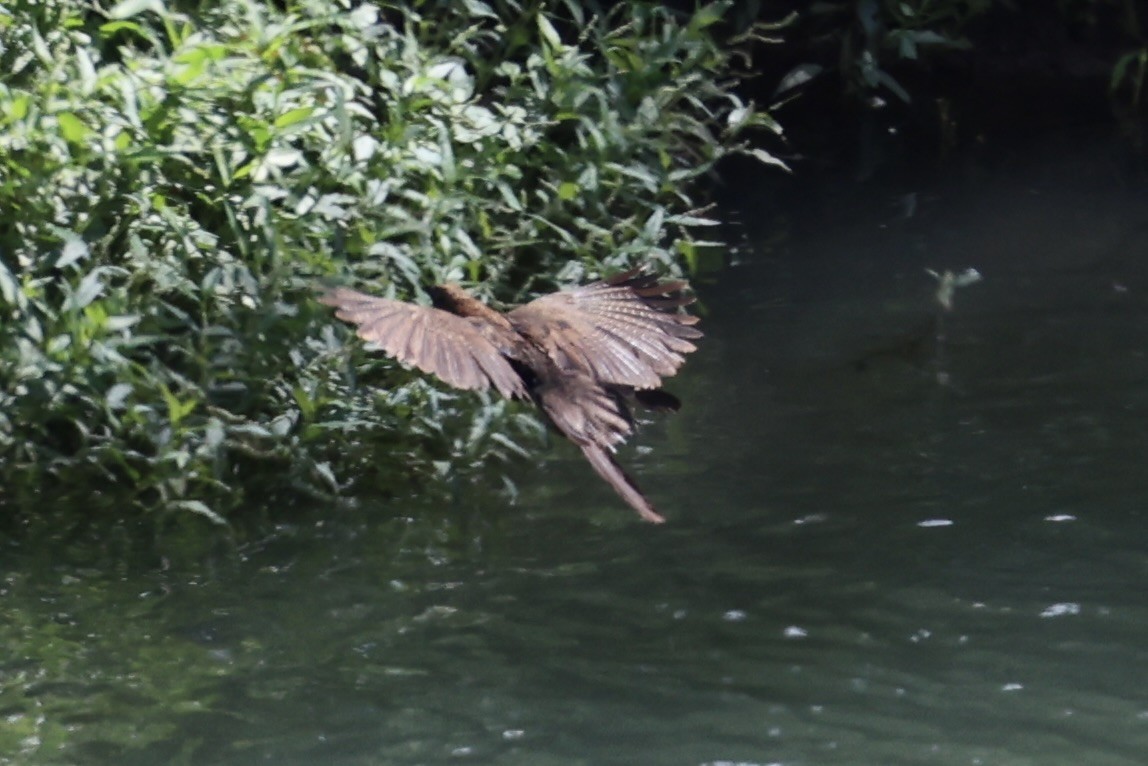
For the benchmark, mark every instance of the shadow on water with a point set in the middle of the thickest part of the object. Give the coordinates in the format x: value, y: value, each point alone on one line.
x: 883, y: 548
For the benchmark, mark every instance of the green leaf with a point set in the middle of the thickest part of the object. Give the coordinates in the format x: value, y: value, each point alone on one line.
x: 653, y: 228
x: 9, y: 287
x: 117, y: 395
x: 549, y: 33
x: 58, y: 344
x: 508, y: 196
x: 18, y: 106
x: 766, y: 158
x: 907, y: 47
x: 176, y: 410
x: 129, y: 8
x: 109, y: 29
x: 692, y: 220
x: 88, y: 290
x: 201, y: 508
x: 87, y: 71
x: 72, y: 128
x: 479, y: 8
x: 305, y: 402
x: 887, y: 80
x: 709, y: 15
x: 1118, y: 70
x: 214, y: 434
x: 293, y: 116
x: 364, y: 17
x: 74, y: 249
x: 121, y: 322
x: 324, y: 470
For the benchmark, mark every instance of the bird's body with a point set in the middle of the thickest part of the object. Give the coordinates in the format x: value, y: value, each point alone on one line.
x: 579, y: 354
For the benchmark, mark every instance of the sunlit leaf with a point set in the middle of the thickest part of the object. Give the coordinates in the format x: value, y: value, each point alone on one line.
x: 549, y: 33
x: 128, y: 8
x: 17, y: 106
x: 508, y: 195
x: 708, y: 15
x: 177, y: 409
x: 692, y: 220
x: 200, y: 508
x: 324, y: 470
x: 59, y: 343
x: 112, y: 27
x: 123, y: 322
x: 72, y: 127
x: 117, y: 395
x: 214, y: 435
x: 9, y: 287
x: 766, y: 158
x: 87, y: 71
x: 74, y: 249
x: 364, y: 16
x: 293, y: 116
x: 653, y: 226
x: 90, y: 288
x: 798, y: 76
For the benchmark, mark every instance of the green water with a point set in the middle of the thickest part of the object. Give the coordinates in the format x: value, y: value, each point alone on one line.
x: 877, y: 553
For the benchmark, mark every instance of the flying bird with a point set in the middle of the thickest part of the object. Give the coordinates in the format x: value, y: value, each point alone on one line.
x: 581, y: 354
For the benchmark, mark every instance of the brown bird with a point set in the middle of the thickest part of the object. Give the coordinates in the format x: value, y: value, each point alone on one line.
x: 579, y: 354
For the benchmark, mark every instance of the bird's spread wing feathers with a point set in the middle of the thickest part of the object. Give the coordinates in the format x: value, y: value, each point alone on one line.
x: 454, y: 348
x: 623, y: 331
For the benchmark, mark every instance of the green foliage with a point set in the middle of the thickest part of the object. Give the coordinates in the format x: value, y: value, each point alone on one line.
x: 1128, y: 75
x: 177, y: 180
x: 870, y: 37
x: 1130, y: 70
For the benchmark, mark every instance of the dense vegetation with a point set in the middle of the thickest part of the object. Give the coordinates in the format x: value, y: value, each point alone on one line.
x: 949, y: 74
x: 177, y: 183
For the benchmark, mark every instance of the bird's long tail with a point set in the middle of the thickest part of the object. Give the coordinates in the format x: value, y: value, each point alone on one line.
x: 608, y: 468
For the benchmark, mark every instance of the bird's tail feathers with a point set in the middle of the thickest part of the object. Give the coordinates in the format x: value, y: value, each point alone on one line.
x: 608, y: 468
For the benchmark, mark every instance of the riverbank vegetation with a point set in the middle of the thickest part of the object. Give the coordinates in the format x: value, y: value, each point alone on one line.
x: 178, y: 180
x: 936, y: 77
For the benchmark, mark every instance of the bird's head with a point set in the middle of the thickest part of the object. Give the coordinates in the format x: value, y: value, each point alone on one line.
x: 454, y: 299
x: 449, y: 296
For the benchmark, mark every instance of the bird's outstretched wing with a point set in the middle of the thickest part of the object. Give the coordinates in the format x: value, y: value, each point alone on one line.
x: 623, y: 331
x: 456, y: 349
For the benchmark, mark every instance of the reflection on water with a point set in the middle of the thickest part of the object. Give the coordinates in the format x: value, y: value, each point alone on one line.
x: 932, y: 557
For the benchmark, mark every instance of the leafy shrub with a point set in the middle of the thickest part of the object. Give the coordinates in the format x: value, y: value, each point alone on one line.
x: 177, y: 182
x: 865, y: 41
